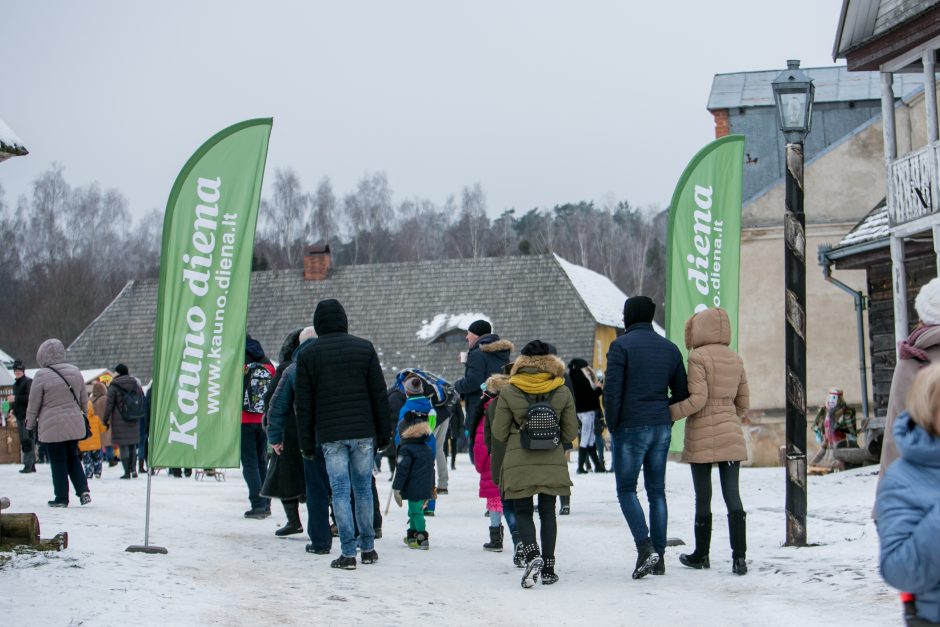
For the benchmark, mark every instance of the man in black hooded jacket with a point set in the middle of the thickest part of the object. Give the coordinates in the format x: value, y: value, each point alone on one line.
x: 340, y: 404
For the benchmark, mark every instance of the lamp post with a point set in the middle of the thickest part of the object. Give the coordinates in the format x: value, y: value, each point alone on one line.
x: 793, y: 95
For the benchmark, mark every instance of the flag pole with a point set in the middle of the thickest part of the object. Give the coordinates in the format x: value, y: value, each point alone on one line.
x: 146, y: 547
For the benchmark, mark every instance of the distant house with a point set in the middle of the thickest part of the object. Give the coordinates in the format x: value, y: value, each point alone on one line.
x: 416, y: 313
x: 10, y: 144
x: 844, y: 178
x: 898, y: 243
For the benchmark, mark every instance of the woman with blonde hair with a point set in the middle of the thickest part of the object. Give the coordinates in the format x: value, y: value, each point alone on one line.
x: 907, y: 509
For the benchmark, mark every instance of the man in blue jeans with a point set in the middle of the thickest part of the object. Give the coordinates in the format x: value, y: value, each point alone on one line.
x: 341, y: 405
x: 645, y: 375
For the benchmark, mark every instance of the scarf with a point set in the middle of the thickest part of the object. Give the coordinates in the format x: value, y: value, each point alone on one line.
x: 907, y: 350
x: 536, y: 382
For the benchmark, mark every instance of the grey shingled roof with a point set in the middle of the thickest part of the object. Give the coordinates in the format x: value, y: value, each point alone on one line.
x: 526, y: 297
x: 833, y: 84
x: 874, y: 226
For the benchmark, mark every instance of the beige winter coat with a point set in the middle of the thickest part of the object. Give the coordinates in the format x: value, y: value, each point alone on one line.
x: 718, y: 392
x: 51, y: 405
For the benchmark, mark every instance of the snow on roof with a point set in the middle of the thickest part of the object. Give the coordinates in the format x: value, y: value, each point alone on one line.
x: 88, y: 376
x: 875, y: 226
x: 442, y: 323
x: 600, y: 295
x: 5, y: 359
x: 8, y: 138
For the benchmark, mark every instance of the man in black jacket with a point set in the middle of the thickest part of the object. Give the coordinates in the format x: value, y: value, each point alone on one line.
x: 645, y: 375
x: 486, y: 356
x: 340, y: 403
x: 20, y: 400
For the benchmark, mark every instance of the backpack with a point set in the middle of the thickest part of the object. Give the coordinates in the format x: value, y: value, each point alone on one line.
x: 541, y: 430
x: 256, y: 381
x: 132, y: 404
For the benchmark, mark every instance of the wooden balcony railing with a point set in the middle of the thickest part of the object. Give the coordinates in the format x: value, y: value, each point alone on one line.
x: 912, y: 194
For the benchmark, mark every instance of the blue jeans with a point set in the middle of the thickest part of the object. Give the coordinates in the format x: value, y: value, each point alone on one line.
x: 349, y: 465
x: 254, y: 463
x: 318, y: 502
x: 647, y: 448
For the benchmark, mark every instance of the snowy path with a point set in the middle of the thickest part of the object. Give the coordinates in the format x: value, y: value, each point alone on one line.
x: 225, y: 570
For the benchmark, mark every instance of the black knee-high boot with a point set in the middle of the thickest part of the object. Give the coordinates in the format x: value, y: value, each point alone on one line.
x: 292, y: 509
x: 703, y: 538
x: 737, y: 529
x: 582, y: 457
x: 592, y: 453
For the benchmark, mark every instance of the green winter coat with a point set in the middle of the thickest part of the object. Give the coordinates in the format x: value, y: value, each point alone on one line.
x: 525, y: 473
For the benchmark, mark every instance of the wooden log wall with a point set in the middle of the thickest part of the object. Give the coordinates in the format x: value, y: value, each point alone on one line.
x: 920, y: 270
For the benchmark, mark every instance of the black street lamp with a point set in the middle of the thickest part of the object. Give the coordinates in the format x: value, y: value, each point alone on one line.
x: 793, y: 94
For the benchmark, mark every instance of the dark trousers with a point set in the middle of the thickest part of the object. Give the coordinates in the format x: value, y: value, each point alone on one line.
x: 27, y: 442
x: 129, y: 458
x: 318, y: 502
x: 254, y: 463
x: 66, y: 462
x: 526, y: 525
x: 728, y: 473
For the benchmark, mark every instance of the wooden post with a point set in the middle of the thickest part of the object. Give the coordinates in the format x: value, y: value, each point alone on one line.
x: 20, y: 527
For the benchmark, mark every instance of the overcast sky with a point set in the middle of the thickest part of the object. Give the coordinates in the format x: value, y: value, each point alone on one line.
x: 540, y: 101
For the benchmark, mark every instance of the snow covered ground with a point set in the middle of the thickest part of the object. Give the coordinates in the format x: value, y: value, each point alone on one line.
x: 225, y: 570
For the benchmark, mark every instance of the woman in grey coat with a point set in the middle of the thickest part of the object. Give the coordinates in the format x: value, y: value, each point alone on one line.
x: 57, y: 400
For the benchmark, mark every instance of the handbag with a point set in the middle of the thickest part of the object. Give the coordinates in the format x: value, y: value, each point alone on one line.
x: 77, y: 402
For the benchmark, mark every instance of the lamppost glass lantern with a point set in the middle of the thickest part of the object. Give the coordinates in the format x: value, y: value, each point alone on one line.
x: 793, y: 95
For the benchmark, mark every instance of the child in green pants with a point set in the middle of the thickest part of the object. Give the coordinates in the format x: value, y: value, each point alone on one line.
x: 414, y: 475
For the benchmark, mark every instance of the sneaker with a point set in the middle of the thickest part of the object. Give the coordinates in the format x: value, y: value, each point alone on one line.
x: 343, y: 562
x: 645, y: 561
x: 532, y: 572
x: 257, y: 514
x: 27, y: 469
x: 565, y: 510
x: 85, y: 498
x: 58, y: 503
x: 430, y: 512
x: 97, y: 475
x: 369, y: 557
x: 311, y: 549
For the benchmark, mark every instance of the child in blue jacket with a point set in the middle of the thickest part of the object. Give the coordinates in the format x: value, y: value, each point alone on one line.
x: 414, y: 475
x: 908, y: 507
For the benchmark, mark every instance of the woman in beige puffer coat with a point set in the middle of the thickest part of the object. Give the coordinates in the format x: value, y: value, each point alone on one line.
x: 718, y: 396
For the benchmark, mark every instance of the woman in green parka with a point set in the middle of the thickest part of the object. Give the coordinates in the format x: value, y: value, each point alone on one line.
x: 543, y: 473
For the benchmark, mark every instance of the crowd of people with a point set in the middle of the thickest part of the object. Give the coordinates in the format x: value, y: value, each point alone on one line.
x: 328, y: 418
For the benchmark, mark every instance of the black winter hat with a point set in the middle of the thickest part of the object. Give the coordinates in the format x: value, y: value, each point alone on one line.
x: 577, y: 363
x: 121, y: 370
x: 18, y: 365
x: 638, y: 309
x: 253, y: 350
x: 480, y: 327
x: 538, y: 347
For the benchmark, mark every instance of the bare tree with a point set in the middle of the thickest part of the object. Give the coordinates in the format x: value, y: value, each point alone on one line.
x: 286, y: 218
x: 323, y: 221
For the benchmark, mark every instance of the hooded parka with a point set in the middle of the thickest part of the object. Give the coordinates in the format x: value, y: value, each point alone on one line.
x: 525, y: 473
x: 123, y: 432
x: 718, y: 392
x: 51, y: 405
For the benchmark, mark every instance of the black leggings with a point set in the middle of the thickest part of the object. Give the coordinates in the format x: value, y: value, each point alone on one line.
x: 526, y: 526
x: 702, y: 482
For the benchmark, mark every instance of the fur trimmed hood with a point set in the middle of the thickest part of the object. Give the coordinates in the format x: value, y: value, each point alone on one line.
x: 496, y: 383
x: 498, y: 345
x: 540, y: 363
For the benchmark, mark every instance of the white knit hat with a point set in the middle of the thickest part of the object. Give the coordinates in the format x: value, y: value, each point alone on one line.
x: 927, y: 302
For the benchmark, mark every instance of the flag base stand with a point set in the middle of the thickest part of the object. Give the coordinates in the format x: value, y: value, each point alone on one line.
x: 146, y: 548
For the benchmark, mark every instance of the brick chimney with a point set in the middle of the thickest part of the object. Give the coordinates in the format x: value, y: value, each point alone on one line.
x: 722, y: 125
x: 317, y: 262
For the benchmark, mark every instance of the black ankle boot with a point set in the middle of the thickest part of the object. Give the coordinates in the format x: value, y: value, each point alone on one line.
x: 496, y: 540
x: 737, y: 530
x: 293, y: 520
x: 698, y: 559
x: 646, y: 560
x: 582, y: 457
x: 548, y: 572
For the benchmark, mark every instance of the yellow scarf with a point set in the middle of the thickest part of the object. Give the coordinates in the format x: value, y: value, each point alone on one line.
x: 536, y: 382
